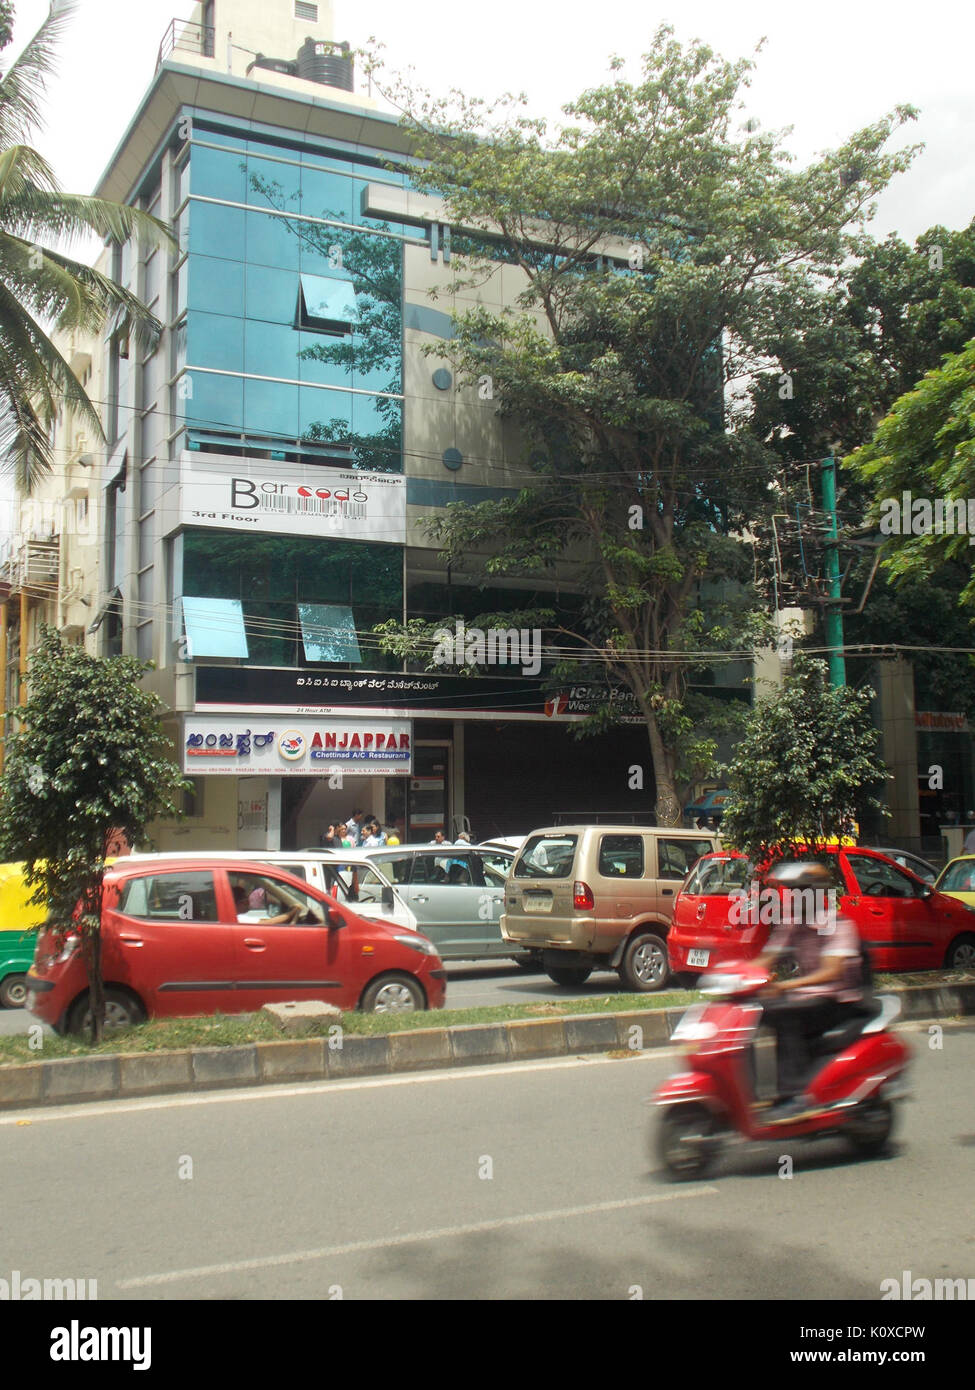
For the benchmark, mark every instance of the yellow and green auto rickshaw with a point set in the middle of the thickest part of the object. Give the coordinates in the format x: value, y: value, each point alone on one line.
x: 18, y: 936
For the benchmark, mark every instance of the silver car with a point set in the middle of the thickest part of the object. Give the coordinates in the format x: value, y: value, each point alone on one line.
x: 455, y: 892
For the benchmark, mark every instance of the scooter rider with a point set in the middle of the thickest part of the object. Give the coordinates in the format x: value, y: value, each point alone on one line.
x: 827, y: 989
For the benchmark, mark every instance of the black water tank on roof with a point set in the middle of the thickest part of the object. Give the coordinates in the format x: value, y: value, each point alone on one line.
x: 327, y: 63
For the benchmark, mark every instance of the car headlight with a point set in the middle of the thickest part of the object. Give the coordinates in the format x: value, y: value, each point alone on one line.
x: 70, y: 945
x: 418, y: 943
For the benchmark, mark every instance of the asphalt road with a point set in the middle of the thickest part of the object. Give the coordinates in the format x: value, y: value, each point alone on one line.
x: 521, y: 1181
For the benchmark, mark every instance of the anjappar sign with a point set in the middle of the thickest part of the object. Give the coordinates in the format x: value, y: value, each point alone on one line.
x: 213, y: 744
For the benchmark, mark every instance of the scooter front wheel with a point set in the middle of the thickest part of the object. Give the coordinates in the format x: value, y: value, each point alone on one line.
x: 686, y: 1140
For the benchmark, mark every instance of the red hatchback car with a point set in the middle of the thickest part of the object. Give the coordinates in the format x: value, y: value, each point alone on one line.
x: 184, y: 937
x: 905, y: 923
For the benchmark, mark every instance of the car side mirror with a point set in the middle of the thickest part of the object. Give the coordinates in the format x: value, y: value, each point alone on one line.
x: 334, y: 918
x: 926, y: 890
x: 386, y: 899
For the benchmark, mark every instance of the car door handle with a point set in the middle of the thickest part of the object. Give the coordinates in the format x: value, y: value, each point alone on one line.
x: 667, y: 893
x: 254, y: 943
x: 420, y: 898
x: 876, y: 912
x: 130, y: 940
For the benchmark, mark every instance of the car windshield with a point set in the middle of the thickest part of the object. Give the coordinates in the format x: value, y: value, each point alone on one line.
x: 711, y: 877
x: 959, y: 878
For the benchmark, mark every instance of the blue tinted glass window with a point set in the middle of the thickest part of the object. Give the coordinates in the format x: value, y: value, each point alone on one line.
x: 328, y: 633
x: 272, y: 184
x: 324, y: 359
x: 217, y: 402
x: 215, y: 340
x: 271, y: 241
x: 215, y: 285
x: 216, y: 230
x: 214, y: 627
x: 217, y: 174
x: 325, y: 416
x: 272, y: 350
x: 271, y: 295
x: 328, y: 195
x: 329, y: 300
x: 271, y: 408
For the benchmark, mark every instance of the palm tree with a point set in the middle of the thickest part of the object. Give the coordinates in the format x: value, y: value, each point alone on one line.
x: 42, y: 290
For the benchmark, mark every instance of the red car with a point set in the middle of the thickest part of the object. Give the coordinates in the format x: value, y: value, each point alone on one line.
x: 903, y: 921
x: 183, y: 937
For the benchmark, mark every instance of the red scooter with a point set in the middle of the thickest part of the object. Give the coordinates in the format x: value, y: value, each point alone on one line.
x: 853, y: 1092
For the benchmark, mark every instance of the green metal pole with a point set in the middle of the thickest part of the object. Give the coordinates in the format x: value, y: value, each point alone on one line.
x: 834, y: 613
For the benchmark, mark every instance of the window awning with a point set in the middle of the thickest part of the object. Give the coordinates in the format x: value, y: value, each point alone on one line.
x: 328, y: 633
x: 214, y: 627
x: 328, y: 301
x: 114, y: 600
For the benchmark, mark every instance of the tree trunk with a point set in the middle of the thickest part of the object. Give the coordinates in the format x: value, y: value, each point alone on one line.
x: 667, y: 804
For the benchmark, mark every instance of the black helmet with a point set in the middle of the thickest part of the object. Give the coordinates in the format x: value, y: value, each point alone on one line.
x: 801, y: 873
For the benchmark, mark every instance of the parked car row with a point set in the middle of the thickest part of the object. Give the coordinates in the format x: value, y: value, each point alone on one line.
x: 372, y: 929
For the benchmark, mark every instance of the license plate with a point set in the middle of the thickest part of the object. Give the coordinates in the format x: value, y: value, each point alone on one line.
x: 698, y: 957
x: 538, y: 904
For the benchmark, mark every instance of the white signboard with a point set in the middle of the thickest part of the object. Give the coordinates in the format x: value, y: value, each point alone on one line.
x: 253, y: 495
x: 272, y: 745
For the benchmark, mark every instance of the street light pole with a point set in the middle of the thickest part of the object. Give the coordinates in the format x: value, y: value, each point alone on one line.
x: 833, y: 611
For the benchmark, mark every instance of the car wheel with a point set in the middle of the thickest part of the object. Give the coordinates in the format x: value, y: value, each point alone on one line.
x: 870, y: 1126
x: 685, y: 1141
x: 13, y: 992
x: 645, y: 966
x: 121, y: 1011
x: 961, y: 953
x: 393, y: 994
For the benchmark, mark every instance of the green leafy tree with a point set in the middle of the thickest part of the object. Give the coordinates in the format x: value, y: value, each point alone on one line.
x: 39, y: 284
x: 90, y: 759
x: 662, y: 251
x: 892, y: 316
x: 807, y: 765
x: 926, y: 447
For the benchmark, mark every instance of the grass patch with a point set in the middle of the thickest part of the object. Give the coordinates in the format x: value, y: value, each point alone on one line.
x: 224, y: 1030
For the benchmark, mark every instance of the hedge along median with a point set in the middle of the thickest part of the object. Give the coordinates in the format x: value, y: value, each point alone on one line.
x: 248, y: 1051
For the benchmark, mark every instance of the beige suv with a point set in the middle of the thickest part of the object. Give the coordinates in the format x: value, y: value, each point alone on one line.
x: 600, y: 896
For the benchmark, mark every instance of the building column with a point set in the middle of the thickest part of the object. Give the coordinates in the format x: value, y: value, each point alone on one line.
x: 895, y: 691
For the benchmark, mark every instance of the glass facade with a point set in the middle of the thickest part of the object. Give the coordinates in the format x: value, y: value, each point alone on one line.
x: 293, y: 327
x: 286, y: 584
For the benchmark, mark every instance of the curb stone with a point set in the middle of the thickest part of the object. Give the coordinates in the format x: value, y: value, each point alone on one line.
x: 77, y: 1080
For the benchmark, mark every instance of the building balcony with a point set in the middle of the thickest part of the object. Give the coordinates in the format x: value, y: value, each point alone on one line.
x: 183, y: 36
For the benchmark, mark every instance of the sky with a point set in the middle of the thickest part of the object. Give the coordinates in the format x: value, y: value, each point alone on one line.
x: 825, y: 70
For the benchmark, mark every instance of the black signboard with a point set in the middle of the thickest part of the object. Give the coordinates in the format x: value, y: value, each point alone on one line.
x: 418, y: 696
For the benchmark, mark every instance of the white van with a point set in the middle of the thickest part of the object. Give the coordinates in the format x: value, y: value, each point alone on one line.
x: 347, y: 875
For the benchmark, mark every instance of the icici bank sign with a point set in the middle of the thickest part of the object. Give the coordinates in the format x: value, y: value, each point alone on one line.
x: 273, y: 745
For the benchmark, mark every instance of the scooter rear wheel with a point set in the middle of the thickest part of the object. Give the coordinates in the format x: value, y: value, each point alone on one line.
x: 870, y: 1125
x: 686, y: 1141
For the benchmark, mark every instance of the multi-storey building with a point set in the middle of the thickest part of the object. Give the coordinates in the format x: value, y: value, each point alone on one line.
x: 258, y: 505
x: 259, y: 501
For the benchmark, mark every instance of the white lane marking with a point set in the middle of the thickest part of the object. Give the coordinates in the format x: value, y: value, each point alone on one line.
x: 83, y: 1111
x: 440, y: 1233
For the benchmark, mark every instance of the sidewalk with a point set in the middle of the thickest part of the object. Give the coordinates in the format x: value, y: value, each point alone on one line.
x: 75, y: 1080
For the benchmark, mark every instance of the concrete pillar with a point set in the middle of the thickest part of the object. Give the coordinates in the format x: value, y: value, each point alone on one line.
x: 894, y: 683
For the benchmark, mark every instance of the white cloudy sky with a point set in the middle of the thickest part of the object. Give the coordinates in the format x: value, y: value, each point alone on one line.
x: 826, y: 69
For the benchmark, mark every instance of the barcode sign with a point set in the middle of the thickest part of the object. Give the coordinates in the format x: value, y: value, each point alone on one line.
x: 314, y: 506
